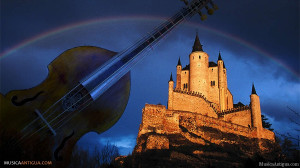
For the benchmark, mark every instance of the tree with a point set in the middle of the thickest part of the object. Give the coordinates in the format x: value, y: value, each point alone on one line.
x: 106, y: 156
x: 81, y: 158
x: 265, y: 123
x: 100, y: 158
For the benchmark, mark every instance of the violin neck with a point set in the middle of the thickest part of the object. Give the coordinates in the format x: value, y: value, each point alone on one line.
x: 106, y: 75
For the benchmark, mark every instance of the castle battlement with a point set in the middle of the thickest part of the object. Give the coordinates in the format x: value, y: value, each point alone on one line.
x: 233, y: 110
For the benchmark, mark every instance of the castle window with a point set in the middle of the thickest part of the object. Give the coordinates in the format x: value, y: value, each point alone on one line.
x: 212, y: 83
x: 199, y: 57
x: 185, y: 86
x: 193, y: 57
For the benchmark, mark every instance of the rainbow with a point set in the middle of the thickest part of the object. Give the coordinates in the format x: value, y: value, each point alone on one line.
x: 68, y: 27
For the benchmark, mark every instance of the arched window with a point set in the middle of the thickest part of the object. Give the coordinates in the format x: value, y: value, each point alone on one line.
x: 199, y: 57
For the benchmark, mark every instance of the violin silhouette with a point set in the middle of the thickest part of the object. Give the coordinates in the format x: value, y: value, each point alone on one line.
x: 87, y: 89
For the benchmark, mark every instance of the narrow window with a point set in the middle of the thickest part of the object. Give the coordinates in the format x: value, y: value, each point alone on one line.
x: 199, y: 57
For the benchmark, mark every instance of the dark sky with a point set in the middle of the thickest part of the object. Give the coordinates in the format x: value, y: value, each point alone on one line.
x: 259, y: 42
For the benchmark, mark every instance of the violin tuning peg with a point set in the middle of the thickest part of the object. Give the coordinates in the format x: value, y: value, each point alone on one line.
x: 214, y: 6
x: 186, y: 2
x: 202, y: 16
x: 210, y: 11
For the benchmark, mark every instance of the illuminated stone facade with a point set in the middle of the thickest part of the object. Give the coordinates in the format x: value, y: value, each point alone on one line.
x: 201, y: 98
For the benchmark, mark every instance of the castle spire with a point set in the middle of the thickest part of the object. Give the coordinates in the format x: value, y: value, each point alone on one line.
x: 253, y: 89
x: 219, y: 58
x: 179, y: 62
x: 197, y: 45
x: 171, y: 77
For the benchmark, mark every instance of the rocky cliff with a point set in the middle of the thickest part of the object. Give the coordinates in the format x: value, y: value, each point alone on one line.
x: 181, y: 139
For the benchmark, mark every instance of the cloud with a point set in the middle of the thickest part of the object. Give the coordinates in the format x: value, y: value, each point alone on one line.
x: 125, y: 144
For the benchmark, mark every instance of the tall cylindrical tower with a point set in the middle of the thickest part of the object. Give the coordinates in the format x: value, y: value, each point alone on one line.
x: 170, y: 95
x: 255, y: 110
x: 222, y: 83
x: 199, y: 69
x: 178, y: 76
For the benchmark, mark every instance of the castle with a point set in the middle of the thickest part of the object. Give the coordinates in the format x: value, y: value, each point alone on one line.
x: 201, y: 98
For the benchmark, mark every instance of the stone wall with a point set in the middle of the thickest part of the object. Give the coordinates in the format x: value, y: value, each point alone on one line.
x: 185, y: 78
x: 192, y: 102
x: 229, y: 99
x: 201, y: 120
x: 157, y: 142
x: 242, y: 117
x: 152, y: 118
x: 213, y: 90
x: 267, y: 134
x: 158, y: 119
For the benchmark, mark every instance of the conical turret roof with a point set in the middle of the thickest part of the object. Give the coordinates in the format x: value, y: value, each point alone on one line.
x: 171, y: 77
x: 253, y: 89
x: 179, y: 62
x: 197, y: 45
x: 219, y: 58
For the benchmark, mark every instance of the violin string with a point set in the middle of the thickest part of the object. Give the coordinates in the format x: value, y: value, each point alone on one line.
x: 102, y: 66
x: 113, y: 58
x: 78, y: 102
x: 37, y: 118
x: 111, y: 83
x: 162, y: 25
x: 45, y: 112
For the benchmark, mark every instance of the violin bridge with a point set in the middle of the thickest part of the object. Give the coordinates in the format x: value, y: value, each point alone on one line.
x: 45, y: 121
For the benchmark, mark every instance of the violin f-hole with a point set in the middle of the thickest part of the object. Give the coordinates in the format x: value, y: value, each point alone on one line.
x: 61, y: 146
x: 22, y: 102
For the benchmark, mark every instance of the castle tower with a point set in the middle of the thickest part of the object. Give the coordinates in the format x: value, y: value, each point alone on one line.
x: 178, y: 77
x: 222, y: 83
x: 255, y: 111
x: 170, y: 96
x: 198, y: 79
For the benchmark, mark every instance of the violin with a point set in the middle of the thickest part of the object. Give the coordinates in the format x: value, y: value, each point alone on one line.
x: 87, y: 89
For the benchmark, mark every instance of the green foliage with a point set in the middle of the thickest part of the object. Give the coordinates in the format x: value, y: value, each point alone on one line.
x: 265, y: 123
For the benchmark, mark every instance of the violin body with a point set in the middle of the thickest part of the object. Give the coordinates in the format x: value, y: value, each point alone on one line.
x: 25, y: 136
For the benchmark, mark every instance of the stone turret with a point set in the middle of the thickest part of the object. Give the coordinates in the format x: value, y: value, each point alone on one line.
x: 178, y: 77
x: 256, y: 111
x: 222, y: 84
x: 198, y: 77
x: 170, y: 96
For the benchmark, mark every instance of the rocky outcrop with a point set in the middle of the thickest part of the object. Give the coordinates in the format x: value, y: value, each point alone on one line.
x: 182, y: 139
